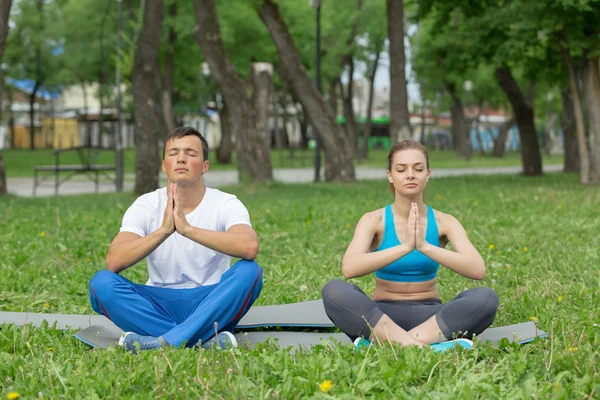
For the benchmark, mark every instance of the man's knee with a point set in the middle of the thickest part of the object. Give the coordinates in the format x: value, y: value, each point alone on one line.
x: 248, y: 271
x: 102, y: 283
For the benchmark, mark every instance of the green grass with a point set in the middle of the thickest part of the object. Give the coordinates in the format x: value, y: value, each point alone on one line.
x: 538, y: 236
x: 20, y: 163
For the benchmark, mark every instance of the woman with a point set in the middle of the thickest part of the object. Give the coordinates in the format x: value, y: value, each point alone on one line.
x: 403, y: 244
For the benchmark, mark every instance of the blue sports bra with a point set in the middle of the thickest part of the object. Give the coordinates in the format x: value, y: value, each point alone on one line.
x: 415, y: 266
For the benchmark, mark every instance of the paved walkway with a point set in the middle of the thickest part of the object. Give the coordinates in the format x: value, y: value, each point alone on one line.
x: 24, y: 186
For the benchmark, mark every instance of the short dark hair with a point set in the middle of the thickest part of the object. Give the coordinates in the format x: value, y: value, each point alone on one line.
x: 183, y: 131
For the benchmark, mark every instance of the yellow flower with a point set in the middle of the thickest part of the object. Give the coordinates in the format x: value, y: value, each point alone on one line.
x: 347, y: 225
x: 573, y: 349
x: 524, y: 248
x: 534, y: 319
x: 325, y: 386
x: 492, y: 247
x: 50, y: 349
x: 42, y: 235
x: 46, y: 305
x: 439, y: 197
x: 308, y: 223
x: 268, y: 211
x: 559, y: 206
x: 559, y: 299
x: 13, y: 395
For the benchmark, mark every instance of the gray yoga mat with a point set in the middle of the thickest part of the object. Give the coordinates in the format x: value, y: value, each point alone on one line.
x: 309, y: 314
x: 103, y: 337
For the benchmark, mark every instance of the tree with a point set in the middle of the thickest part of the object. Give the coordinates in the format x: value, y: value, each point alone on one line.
x: 399, y: 118
x: 512, y: 49
x: 146, y: 85
x: 441, y: 63
x: 254, y: 159
x: 31, y: 50
x: 337, y: 147
x: 4, y: 15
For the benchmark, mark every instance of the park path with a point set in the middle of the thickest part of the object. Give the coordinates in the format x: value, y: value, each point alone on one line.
x: 24, y: 186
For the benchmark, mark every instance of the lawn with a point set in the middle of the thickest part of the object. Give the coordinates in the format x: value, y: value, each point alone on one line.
x: 538, y: 236
x: 20, y: 163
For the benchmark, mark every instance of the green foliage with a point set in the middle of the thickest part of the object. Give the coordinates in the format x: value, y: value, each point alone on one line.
x: 33, y: 42
x: 537, y: 236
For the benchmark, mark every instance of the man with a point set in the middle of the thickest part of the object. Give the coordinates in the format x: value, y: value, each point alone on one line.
x: 189, y: 233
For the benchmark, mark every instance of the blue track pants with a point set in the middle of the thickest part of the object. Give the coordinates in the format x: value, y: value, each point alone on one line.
x: 178, y: 315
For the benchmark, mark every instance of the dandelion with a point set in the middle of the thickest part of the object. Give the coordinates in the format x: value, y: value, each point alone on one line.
x: 573, y: 349
x: 559, y: 299
x: 50, y: 349
x: 347, y: 226
x: 308, y: 223
x: 492, y: 247
x: 559, y: 206
x: 532, y: 318
x: 46, y: 305
x: 325, y: 386
x: 42, y: 235
x: 13, y: 395
x: 303, y: 288
x: 525, y: 249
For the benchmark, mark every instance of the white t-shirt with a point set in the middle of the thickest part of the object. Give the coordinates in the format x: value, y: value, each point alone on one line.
x: 179, y: 262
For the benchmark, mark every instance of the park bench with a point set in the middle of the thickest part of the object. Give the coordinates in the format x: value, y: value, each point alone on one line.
x: 88, y: 166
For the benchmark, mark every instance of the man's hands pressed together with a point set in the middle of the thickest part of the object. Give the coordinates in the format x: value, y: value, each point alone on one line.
x: 174, y: 218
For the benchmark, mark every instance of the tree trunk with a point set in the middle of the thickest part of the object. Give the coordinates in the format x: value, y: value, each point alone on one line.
x: 338, y: 151
x: 584, y: 157
x: 400, y: 119
x: 591, y: 91
x: 477, y: 125
x: 149, y: 120
x: 254, y: 162
x: 226, y: 144
x: 4, y: 15
x: 460, y: 129
x: 571, y: 158
x: 333, y: 97
x: 279, y: 126
x: 347, y: 95
x: 369, y: 126
x: 524, y: 116
x: 167, y: 99
x: 32, y: 115
x: 500, y: 140
x: 262, y: 81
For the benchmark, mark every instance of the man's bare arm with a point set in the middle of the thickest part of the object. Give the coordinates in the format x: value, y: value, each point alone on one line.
x: 239, y: 240
x: 128, y: 248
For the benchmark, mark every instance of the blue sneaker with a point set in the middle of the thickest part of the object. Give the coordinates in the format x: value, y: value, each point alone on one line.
x: 443, y: 346
x: 360, y: 343
x: 223, y: 340
x: 128, y: 340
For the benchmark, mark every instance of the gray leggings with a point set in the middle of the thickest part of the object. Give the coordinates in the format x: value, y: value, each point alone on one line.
x: 351, y: 310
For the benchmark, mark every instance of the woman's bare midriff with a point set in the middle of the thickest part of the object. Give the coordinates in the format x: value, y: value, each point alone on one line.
x: 389, y: 290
